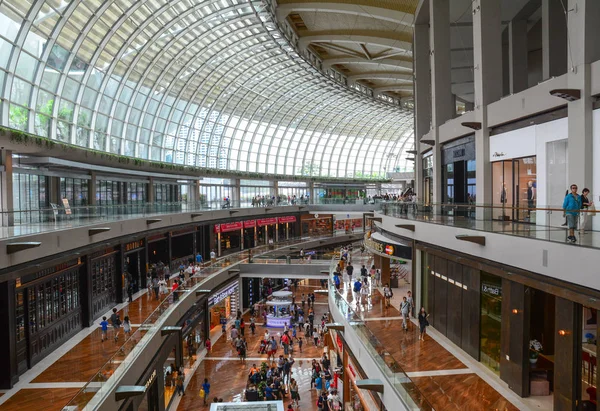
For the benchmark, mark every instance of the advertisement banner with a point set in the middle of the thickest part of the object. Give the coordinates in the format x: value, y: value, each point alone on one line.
x: 266, y: 221
x: 287, y: 219
x: 249, y: 223
x: 225, y: 227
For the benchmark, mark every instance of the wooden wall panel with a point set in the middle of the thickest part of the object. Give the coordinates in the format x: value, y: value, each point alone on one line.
x: 431, y: 291
x: 455, y: 296
x: 471, y: 312
x: 514, y: 352
x: 441, y: 295
x: 567, y: 355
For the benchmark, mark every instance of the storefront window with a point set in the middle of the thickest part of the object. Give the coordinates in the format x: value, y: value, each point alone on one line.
x: 589, y: 352
x: 30, y: 196
x: 515, y: 189
x: 75, y: 190
x: 491, y: 318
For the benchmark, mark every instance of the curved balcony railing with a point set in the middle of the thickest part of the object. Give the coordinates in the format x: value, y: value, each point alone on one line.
x: 538, y: 222
x: 101, y: 384
x: 406, y: 389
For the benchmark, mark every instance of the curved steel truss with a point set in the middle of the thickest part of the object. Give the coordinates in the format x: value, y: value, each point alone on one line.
x: 209, y: 83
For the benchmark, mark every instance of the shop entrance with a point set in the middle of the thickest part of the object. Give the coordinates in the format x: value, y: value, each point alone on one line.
x: 133, y: 268
x: 515, y: 189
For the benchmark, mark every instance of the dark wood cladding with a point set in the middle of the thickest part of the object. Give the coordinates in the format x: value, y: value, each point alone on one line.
x: 471, y: 312
x: 567, y: 355
x: 455, y: 311
x: 455, y: 297
x: 514, y: 341
x: 441, y: 296
x: 569, y: 291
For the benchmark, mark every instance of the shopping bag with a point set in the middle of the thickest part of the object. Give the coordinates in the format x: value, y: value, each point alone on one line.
x: 201, y: 394
x: 592, y: 210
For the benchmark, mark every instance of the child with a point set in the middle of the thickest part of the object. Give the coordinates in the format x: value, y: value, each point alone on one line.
x: 126, y: 326
x: 104, y: 325
x: 208, y: 345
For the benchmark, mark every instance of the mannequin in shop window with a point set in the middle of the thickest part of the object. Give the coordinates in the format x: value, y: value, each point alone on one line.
x: 503, y: 199
x: 530, y: 198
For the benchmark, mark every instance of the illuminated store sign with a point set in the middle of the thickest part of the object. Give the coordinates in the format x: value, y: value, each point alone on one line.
x: 221, y: 295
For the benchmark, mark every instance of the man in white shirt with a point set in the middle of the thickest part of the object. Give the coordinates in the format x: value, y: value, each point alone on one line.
x: 213, y: 256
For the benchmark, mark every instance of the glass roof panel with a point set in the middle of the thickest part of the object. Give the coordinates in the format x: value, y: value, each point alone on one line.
x: 245, y: 99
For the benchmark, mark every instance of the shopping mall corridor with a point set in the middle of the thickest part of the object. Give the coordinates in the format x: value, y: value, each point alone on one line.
x: 228, y: 376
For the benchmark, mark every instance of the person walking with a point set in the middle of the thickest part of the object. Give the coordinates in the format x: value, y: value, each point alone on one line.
x: 387, y: 295
x: 126, y: 326
x: 104, y: 326
x: 404, y: 310
x: 116, y: 323
x: 377, y: 278
x: 179, y: 387
x: 585, y: 205
x: 206, y: 389
x: 423, y: 323
x: 411, y: 303
x: 571, y: 207
x: 252, y: 326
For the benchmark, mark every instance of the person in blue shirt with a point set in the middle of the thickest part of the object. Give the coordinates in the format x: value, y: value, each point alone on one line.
x: 571, y: 207
x: 319, y: 384
x: 104, y: 325
x: 269, y: 393
x: 198, y: 258
x: 206, y: 388
x: 336, y: 280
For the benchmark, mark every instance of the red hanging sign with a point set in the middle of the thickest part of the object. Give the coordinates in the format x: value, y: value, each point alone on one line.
x: 266, y: 221
x: 249, y: 223
x: 225, y: 227
x: 287, y: 219
x: 217, y: 228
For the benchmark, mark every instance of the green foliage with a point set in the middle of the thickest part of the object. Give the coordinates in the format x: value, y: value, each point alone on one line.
x: 20, y: 137
x: 310, y: 169
x: 18, y: 117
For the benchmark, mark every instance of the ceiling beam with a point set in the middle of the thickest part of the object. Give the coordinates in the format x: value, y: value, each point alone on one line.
x: 381, y: 75
x: 342, y: 49
x: 380, y: 13
x: 397, y: 41
x: 398, y: 63
x: 365, y: 51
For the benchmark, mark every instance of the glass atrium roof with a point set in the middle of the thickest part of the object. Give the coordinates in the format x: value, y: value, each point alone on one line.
x: 208, y: 83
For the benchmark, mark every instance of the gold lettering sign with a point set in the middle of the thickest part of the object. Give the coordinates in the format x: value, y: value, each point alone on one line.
x: 133, y: 245
x: 374, y: 245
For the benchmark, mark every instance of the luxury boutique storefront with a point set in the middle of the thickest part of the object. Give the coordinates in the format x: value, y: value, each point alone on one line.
x: 502, y: 318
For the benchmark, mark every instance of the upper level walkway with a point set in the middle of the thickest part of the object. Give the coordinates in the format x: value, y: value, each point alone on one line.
x: 431, y: 373
x: 27, y: 223
x: 521, y: 222
x: 86, y: 366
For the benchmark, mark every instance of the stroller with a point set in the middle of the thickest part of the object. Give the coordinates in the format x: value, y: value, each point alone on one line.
x: 263, y: 347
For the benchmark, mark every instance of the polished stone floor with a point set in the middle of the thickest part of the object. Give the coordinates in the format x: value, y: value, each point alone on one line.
x: 446, y: 382
x: 228, y: 375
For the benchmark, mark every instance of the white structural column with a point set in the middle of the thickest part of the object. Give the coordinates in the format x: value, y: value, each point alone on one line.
x: 554, y: 38
x: 422, y: 93
x: 487, y: 62
x: 442, y: 109
x: 517, y: 55
x: 584, y: 49
x: 6, y: 188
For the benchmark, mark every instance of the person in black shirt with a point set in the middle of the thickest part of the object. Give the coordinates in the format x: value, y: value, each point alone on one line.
x: 349, y: 270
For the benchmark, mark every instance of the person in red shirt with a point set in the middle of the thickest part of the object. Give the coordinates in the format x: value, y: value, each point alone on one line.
x: 208, y: 344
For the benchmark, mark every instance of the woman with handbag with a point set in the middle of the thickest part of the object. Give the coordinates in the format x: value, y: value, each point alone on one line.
x: 423, y: 323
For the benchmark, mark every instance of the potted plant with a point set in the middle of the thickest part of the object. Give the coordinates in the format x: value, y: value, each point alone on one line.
x: 535, y: 348
x: 589, y: 338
